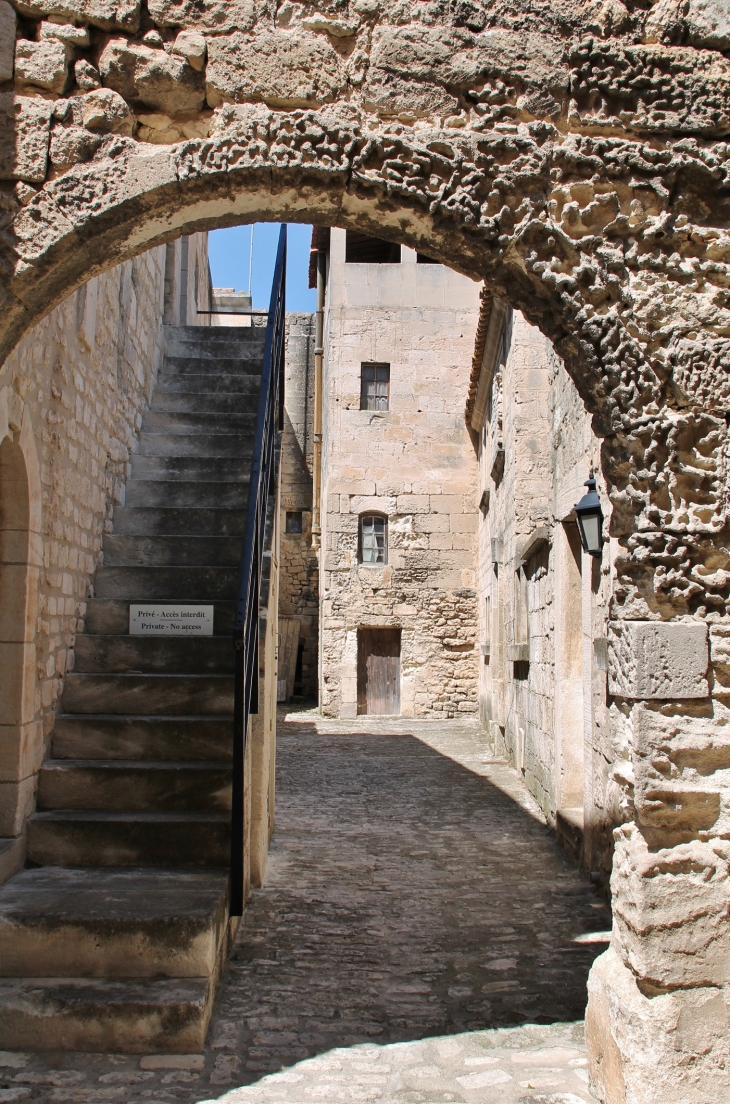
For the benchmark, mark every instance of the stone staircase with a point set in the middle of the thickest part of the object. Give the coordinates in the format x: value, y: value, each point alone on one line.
x: 114, y: 935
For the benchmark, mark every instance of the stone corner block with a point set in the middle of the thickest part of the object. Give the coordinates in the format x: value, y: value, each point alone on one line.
x: 657, y: 660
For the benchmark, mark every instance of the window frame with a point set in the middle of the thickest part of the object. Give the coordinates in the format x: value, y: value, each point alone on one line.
x: 372, y: 516
x: 291, y: 514
x: 375, y: 365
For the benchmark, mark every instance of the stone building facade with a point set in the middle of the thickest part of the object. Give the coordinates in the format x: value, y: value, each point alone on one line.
x: 299, y: 579
x: 406, y: 460
x: 72, y: 395
x: 543, y: 601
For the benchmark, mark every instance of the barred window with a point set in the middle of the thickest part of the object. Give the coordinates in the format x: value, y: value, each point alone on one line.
x: 373, y: 539
x: 375, y: 387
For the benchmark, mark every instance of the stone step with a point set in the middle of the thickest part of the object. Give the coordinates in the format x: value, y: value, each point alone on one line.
x: 149, y: 654
x: 247, y: 364
x: 204, y: 383
x: 173, y: 492
x: 184, y: 422
x: 100, y: 1015
x: 214, y: 335
x: 231, y: 345
x: 196, y: 444
x: 127, y: 786
x: 108, y: 617
x: 57, y: 922
x: 129, y: 839
x: 219, y: 332
x: 188, y: 402
x: 171, y: 551
x: 143, y: 520
x: 101, y: 736
x: 148, y: 694
x: 12, y: 856
x: 200, y: 469
x: 158, y: 584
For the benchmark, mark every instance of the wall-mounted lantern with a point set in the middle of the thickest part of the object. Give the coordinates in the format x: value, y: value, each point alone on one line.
x: 590, y: 519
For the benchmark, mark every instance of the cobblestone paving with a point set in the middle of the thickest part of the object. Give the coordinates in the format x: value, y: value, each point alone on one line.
x: 417, y: 914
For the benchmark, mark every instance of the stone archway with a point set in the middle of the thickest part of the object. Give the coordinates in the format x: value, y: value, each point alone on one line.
x: 572, y: 157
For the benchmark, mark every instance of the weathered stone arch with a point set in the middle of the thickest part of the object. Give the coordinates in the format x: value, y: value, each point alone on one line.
x: 572, y: 155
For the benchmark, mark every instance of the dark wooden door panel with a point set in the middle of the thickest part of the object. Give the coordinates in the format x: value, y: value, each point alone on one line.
x: 378, y: 672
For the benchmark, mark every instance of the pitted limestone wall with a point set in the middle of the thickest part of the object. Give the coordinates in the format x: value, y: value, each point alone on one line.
x: 413, y: 463
x: 77, y: 385
x: 299, y: 578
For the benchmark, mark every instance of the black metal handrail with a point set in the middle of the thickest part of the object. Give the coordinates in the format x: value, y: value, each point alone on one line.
x: 246, y: 625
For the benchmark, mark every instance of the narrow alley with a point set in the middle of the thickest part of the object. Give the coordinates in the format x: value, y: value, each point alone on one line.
x: 413, y: 892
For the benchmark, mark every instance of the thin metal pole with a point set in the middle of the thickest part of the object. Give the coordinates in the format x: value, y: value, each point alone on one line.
x: 250, y: 260
x: 318, y: 356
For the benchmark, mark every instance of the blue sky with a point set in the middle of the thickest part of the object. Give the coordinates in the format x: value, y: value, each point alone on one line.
x: 228, y: 251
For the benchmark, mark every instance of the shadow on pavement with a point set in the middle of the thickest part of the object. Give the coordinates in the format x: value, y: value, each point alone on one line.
x: 406, y: 897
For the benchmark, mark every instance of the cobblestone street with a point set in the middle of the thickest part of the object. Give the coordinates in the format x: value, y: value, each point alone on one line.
x: 414, y: 897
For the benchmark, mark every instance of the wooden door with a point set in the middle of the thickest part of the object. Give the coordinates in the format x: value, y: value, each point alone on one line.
x: 288, y: 647
x: 378, y: 672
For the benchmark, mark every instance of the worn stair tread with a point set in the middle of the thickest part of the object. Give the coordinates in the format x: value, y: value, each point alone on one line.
x: 102, y: 1015
x: 78, y: 735
x: 106, y: 785
x: 244, y: 370
x: 170, y: 421
x: 121, y: 923
x: 182, y: 401
x: 113, y: 839
x: 219, y: 348
x: 205, y: 383
x: 177, y: 492
x: 62, y: 894
x: 147, y: 765
x: 121, y: 817
x: 201, y: 469
x: 166, y: 583
x: 214, y: 336
x: 179, y: 521
x: 195, y: 444
x: 151, y: 693
x: 162, y: 551
x: 153, y: 655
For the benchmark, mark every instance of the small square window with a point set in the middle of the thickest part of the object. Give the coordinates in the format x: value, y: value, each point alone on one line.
x: 375, y: 387
x: 294, y: 521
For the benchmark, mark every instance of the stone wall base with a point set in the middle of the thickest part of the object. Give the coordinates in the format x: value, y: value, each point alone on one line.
x: 669, y: 1049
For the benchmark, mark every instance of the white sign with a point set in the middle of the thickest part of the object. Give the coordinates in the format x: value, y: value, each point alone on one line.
x: 170, y: 620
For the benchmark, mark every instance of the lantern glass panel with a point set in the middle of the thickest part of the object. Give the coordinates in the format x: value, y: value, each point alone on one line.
x: 591, y: 525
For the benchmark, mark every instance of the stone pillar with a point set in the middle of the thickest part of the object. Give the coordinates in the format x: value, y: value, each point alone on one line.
x: 657, y: 1018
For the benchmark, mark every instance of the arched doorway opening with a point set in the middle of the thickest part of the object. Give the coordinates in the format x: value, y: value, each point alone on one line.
x: 21, y: 738
x: 575, y: 297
